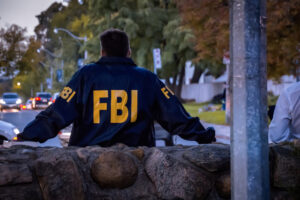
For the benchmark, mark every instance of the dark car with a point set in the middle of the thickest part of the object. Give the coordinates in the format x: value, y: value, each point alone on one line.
x: 42, y: 100
x: 10, y: 100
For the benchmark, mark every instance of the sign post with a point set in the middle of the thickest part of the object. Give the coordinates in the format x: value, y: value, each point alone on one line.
x: 156, y: 59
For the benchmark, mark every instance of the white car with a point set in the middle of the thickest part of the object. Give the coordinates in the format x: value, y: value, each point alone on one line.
x: 7, y: 131
x: 28, y: 104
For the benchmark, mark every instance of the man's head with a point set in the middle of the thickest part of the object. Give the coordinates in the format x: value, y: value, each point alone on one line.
x: 114, y: 42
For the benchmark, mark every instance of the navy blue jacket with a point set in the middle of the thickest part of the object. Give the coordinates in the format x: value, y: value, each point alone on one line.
x: 114, y: 101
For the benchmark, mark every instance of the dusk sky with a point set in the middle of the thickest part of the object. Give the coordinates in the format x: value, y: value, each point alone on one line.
x: 22, y: 12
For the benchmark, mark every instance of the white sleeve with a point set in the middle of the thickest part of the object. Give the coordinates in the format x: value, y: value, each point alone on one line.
x: 279, y: 127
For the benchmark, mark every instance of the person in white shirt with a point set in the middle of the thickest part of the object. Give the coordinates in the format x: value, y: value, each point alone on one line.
x: 285, y: 125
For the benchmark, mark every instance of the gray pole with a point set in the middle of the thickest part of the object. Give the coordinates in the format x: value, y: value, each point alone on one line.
x: 249, y: 137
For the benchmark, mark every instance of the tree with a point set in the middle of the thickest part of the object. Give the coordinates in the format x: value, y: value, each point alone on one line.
x: 32, y: 73
x: 12, y: 48
x: 149, y: 24
x: 209, y: 21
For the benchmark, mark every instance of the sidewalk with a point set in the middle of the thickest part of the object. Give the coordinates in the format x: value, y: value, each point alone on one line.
x: 222, y: 132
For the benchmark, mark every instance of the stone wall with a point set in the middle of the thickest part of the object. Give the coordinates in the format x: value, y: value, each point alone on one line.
x: 120, y: 172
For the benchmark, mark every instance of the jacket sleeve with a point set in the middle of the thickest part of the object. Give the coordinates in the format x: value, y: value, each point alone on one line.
x: 172, y: 116
x: 279, y: 126
x: 57, y: 116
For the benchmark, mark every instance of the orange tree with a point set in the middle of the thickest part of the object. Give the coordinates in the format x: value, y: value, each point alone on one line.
x: 209, y: 21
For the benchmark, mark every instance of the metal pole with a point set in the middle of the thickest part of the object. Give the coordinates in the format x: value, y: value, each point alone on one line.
x: 85, y: 51
x: 249, y: 137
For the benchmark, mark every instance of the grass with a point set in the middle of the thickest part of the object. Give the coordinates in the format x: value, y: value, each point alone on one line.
x: 214, y: 117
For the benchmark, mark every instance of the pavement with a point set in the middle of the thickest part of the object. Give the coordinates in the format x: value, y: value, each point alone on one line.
x: 222, y: 132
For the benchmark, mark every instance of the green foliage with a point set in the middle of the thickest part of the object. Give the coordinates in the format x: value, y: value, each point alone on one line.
x: 12, y: 48
x: 32, y: 73
x: 216, y: 117
x: 149, y: 24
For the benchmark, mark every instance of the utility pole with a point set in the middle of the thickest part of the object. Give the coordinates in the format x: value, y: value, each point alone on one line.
x: 249, y: 133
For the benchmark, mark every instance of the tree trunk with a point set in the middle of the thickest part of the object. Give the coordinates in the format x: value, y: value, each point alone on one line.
x: 196, y: 76
x: 179, y: 87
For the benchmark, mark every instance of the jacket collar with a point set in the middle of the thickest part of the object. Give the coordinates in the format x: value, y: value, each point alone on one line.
x: 116, y: 60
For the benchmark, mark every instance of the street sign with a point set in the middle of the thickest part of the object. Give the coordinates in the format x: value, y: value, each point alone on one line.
x: 49, y: 83
x: 59, y: 75
x: 156, y: 58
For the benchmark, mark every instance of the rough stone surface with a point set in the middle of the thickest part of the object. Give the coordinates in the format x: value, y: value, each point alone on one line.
x: 177, y: 172
x: 114, y: 170
x: 139, y: 153
x: 223, y: 185
x: 58, y: 175
x: 286, y: 166
x: 175, y: 180
x: 13, y: 174
x: 214, y: 157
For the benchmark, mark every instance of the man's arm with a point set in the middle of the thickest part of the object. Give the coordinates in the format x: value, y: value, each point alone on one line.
x: 172, y: 116
x: 279, y: 127
x: 62, y: 113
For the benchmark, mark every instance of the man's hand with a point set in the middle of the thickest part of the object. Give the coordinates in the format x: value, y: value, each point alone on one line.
x: 208, y: 136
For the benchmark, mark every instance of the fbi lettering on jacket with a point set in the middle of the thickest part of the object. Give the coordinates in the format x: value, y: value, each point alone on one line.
x: 119, y: 104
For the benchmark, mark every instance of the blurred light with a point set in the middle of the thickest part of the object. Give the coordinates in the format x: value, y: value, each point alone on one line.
x: 55, y: 31
x: 18, y: 83
x: 24, y: 107
x: 16, y: 131
x: 19, y: 101
x: 2, y: 101
x: 15, y: 138
x: 80, y: 2
x: 37, y: 98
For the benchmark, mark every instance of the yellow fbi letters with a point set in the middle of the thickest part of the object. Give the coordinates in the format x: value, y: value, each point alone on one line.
x: 118, y: 102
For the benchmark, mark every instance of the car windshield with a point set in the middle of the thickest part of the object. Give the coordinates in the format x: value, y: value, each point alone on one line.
x: 10, y: 96
x: 45, y: 95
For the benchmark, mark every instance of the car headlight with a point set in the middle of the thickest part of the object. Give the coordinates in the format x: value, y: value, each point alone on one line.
x: 16, y: 131
x: 2, y: 101
x: 19, y: 101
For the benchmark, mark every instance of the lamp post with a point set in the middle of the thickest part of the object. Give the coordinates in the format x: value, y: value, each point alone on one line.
x: 51, y: 66
x: 55, y: 30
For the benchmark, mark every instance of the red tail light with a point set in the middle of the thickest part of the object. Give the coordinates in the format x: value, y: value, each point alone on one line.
x: 53, y: 100
x: 37, y: 98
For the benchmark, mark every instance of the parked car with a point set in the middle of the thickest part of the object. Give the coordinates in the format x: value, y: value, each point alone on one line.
x: 7, y: 131
x: 55, y: 96
x: 42, y: 100
x: 10, y: 100
x: 28, y: 104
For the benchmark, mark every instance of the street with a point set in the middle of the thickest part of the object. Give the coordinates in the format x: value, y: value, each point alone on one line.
x: 21, y: 118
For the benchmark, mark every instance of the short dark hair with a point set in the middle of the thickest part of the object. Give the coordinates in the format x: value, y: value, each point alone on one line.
x: 114, y: 42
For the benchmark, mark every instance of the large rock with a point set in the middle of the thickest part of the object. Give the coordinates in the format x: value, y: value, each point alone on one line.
x: 213, y: 157
x: 58, y: 175
x: 14, y: 173
x: 286, y: 167
x: 174, y: 179
x: 114, y: 170
x: 223, y: 185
